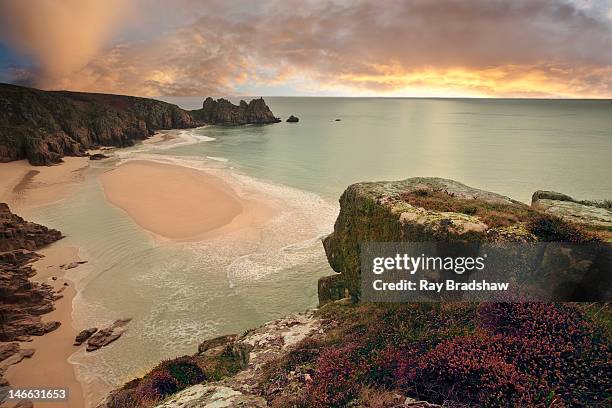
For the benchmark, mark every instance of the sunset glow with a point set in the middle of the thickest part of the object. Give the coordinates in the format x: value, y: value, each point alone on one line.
x: 502, y: 48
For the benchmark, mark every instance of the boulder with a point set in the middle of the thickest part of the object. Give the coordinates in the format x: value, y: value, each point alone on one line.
x: 293, y: 119
x: 213, y: 343
x: 98, y: 156
x: 107, y: 335
x: 84, y: 335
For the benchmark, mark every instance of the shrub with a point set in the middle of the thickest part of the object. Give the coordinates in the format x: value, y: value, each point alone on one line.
x: 185, y: 370
x: 157, y: 386
x: 458, y: 354
x: 336, y: 380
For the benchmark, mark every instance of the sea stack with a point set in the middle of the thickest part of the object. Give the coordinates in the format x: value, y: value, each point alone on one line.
x: 223, y: 112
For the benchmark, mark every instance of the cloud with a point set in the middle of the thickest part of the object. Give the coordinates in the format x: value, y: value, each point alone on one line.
x: 63, y: 36
x: 463, y: 47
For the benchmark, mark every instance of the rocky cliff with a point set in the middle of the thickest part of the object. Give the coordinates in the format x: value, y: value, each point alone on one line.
x: 434, y: 210
x: 223, y: 112
x: 22, y: 302
x: 44, y: 126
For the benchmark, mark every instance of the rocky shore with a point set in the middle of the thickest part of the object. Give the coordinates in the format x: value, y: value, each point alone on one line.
x: 22, y: 301
x: 44, y: 126
x: 348, y: 353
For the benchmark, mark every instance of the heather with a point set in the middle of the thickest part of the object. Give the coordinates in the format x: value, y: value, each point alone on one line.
x: 488, y: 355
x: 171, y: 376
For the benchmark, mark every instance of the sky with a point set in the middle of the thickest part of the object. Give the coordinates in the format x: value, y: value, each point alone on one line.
x: 405, y: 48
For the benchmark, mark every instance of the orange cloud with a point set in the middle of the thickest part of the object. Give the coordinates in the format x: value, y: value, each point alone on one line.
x: 543, y: 48
x: 63, y: 36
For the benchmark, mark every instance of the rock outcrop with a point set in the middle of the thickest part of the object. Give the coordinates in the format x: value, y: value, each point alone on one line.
x: 293, y: 119
x: 429, y: 210
x: 22, y: 302
x: 591, y: 214
x: 16, y: 233
x: 223, y: 112
x: 84, y: 335
x: 44, y: 126
x: 105, y: 336
x: 264, y: 344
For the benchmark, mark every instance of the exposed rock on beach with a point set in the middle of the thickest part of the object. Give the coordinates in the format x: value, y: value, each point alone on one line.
x: 22, y: 301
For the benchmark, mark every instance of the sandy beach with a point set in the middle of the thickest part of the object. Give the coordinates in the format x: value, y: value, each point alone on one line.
x: 180, y: 203
x: 25, y: 187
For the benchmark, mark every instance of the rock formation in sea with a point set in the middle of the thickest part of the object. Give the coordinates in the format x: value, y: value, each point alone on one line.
x: 44, y: 126
x: 348, y: 353
x: 293, y: 119
x: 22, y: 301
x: 223, y: 112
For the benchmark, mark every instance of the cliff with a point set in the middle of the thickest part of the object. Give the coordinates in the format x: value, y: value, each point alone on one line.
x: 436, y: 210
x: 44, y: 126
x: 223, y: 112
x: 22, y: 302
x: 420, y: 355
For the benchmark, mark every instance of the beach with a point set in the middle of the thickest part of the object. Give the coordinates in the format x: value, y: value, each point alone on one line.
x: 171, y: 202
x: 180, y: 203
x: 25, y: 187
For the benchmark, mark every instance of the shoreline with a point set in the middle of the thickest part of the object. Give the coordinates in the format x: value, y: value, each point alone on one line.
x: 25, y: 187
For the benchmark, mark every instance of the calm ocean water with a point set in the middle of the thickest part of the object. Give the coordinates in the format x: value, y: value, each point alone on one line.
x: 180, y: 294
x: 513, y: 147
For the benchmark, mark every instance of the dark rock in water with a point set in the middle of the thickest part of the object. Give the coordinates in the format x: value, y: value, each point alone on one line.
x: 106, y: 336
x: 44, y: 126
x: 223, y: 112
x: 98, y: 156
x: 84, y: 335
x: 293, y: 119
x: 337, y: 120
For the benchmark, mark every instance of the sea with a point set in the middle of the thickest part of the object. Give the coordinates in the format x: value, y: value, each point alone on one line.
x: 179, y: 294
